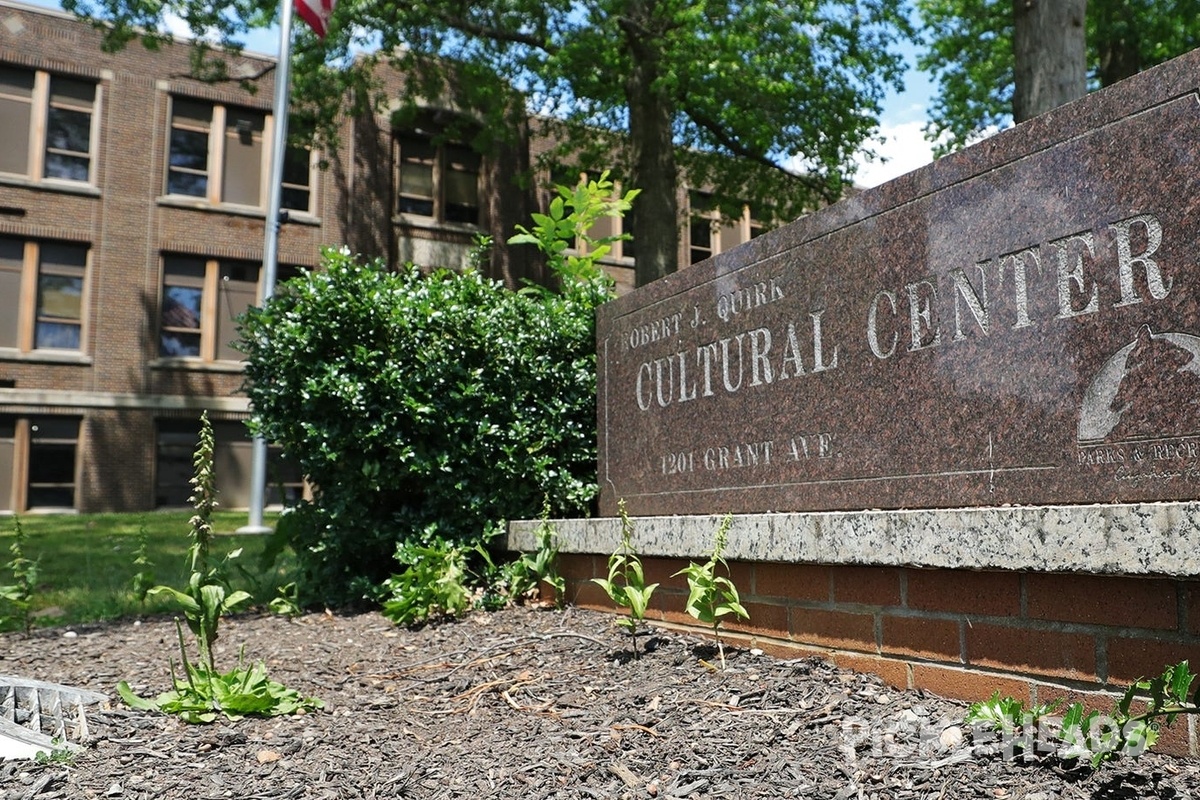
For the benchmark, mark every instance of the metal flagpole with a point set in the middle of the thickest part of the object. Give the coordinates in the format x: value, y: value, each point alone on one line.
x: 283, y: 74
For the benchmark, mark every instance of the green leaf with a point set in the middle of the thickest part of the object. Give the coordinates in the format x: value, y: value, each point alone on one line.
x: 1180, y: 680
x: 133, y: 700
x: 186, y: 603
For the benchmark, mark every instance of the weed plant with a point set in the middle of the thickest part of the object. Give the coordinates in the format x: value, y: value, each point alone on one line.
x: 525, y: 573
x: 208, y: 596
x: 203, y: 693
x: 19, y: 595
x: 143, y: 579
x: 433, y: 583
x: 1089, y: 736
x: 626, y: 582
x: 712, y: 597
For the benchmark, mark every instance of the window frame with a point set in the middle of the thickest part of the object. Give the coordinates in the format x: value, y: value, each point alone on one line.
x: 218, y: 133
x: 19, y: 452
x: 28, y: 302
x: 175, y: 440
x: 37, y: 140
x: 52, y: 441
x: 703, y: 208
x: 441, y: 165
x: 310, y: 188
x: 209, y: 325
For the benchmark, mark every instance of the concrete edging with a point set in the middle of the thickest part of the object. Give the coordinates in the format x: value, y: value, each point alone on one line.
x: 1129, y: 539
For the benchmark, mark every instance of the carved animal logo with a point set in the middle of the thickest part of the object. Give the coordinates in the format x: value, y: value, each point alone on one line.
x: 1149, y: 388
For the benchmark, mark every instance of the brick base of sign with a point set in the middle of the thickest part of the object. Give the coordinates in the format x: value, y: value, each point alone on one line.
x: 957, y: 633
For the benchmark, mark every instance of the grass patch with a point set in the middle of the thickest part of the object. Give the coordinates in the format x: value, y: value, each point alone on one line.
x: 87, y: 565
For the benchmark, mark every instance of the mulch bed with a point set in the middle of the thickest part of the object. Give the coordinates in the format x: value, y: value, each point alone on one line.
x: 527, y: 703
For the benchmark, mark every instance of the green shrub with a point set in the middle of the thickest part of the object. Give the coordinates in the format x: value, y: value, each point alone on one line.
x: 416, y: 403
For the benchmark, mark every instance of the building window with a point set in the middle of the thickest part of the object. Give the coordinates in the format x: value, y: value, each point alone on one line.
x: 232, y: 457
x: 46, y: 125
x: 38, y: 462
x: 42, y: 287
x: 8, y: 449
x: 709, y: 233
x: 298, y: 165
x: 440, y: 181
x: 201, y: 301
x: 216, y: 153
x: 53, y: 444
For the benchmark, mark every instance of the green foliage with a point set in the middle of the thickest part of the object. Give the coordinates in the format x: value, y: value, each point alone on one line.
x: 1006, y: 715
x: 18, y: 596
x: 528, y: 570
x: 626, y: 582
x: 60, y: 755
x: 286, y: 602
x: 203, y: 694
x: 711, y: 596
x: 143, y: 578
x: 970, y: 54
x: 433, y: 583
x: 572, y: 214
x: 1090, y: 735
x: 208, y: 596
x: 419, y: 402
x: 759, y: 85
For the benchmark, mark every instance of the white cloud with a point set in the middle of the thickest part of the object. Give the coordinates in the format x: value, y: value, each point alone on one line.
x: 176, y: 26
x: 903, y: 149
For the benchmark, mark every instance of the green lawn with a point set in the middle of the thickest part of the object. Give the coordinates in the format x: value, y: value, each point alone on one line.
x: 86, y: 561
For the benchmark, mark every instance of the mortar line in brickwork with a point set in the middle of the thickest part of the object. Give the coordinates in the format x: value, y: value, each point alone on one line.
x: 1101, y: 658
x: 904, y: 588
x: 1023, y: 593
x: 1063, y: 626
x: 1182, y: 622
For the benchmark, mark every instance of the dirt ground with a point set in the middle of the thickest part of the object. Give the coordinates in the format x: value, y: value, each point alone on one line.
x: 528, y: 703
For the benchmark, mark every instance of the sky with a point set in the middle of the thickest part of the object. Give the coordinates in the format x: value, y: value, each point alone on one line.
x: 902, y: 150
x: 904, y: 113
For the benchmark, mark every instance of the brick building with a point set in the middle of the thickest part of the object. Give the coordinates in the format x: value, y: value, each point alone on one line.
x: 132, y: 208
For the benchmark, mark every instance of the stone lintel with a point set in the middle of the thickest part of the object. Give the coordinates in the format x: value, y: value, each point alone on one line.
x: 1160, y: 539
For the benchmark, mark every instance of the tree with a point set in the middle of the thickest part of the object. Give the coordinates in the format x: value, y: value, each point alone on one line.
x: 766, y: 102
x: 1048, y: 55
x: 971, y: 54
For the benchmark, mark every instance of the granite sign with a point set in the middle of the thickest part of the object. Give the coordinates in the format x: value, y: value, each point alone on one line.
x: 1016, y: 324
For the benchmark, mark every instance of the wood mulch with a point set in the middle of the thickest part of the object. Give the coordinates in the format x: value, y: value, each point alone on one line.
x: 527, y: 703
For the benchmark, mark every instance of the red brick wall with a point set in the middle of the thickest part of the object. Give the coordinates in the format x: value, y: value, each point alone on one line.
x: 957, y: 633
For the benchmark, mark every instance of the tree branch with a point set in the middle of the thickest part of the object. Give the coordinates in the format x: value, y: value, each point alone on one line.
x: 495, y: 34
x: 225, y: 77
x: 733, y: 145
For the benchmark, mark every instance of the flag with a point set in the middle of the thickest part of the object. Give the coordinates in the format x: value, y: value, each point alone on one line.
x: 316, y: 13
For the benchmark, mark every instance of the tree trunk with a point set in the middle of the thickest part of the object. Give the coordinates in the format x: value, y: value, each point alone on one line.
x: 1050, y: 55
x: 1117, y: 28
x: 655, y: 214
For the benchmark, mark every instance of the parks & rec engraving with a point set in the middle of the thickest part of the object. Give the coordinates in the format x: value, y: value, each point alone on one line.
x: 1025, y: 333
